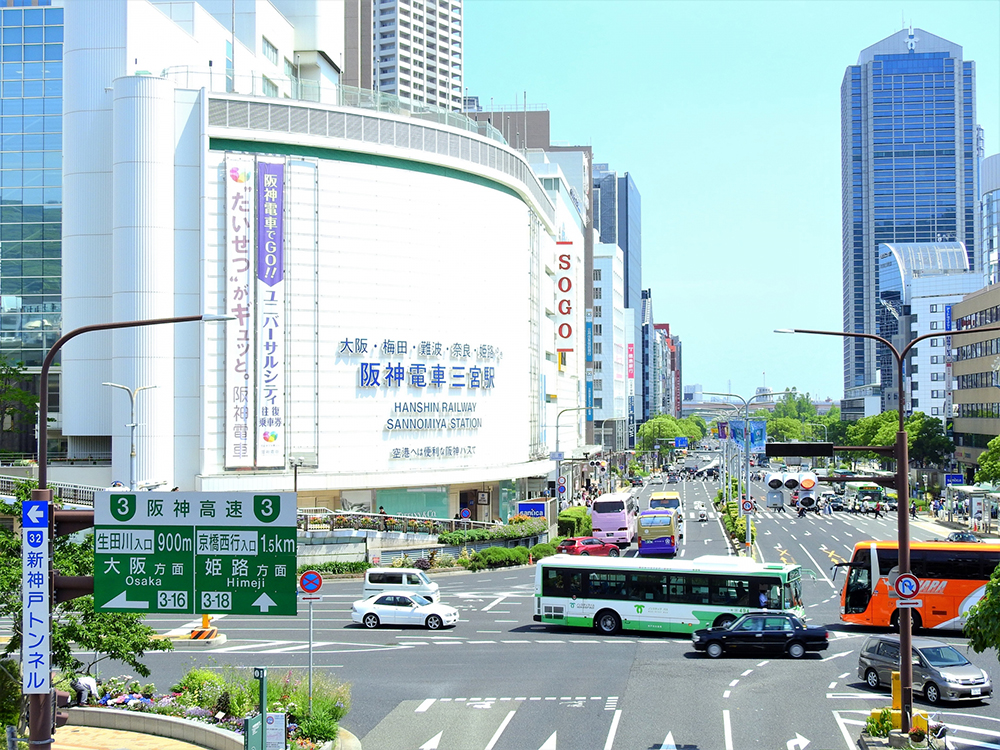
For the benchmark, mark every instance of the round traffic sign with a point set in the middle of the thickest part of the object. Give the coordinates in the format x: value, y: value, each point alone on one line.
x: 562, y: 487
x: 907, y: 586
x: 310, y: 582
x: 562, y: 480
x: 466, y: 513
x: 748, y: 506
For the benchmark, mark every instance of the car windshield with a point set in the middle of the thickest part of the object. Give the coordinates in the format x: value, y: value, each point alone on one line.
x: 609, y: 506
x: 421, y: 601
x: 943, y: 656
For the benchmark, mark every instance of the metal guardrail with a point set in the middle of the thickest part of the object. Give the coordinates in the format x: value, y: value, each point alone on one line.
x: 79, y: 494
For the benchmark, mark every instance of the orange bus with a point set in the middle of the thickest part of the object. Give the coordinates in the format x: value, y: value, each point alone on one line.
x: 953, y: 577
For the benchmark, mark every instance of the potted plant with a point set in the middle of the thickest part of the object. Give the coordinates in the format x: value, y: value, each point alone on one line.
x: 918, y: 737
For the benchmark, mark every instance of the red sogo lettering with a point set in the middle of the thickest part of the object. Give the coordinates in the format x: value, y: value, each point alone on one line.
x: 564, y: 284
x: 565, y: 331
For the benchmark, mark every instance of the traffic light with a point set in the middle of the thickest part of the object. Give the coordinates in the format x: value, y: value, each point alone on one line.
x: 807, y: 489
x: 64, y: 523
x: 791, y: 481
x: 60, y: 702
x: 775, y: 480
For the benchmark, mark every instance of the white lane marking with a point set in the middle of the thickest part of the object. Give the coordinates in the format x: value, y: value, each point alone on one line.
x: 846, y: 674
x: 734, y: 683
x: 832, y: 686
x: 727, y: 693
x: 746, y: 673
x: 259, y: 644
x: 727, y: 730
x: 550, y: 743
x: 763, y: 663
x: 433, y: 742
x: 503, y: 726
x: 614, y: 729
x: 819, y: 568
x: 424, y: 706
x: 494, y: 603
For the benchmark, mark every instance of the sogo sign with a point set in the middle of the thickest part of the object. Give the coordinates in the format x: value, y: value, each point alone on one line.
x: 565, y: 336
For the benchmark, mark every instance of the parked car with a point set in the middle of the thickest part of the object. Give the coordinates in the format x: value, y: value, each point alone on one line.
x: 636, y: 481
x: 673, y: 479
x: 587, y: 545
x: 962, y: 536
x: 760, y: 631
x: 940, y: 671
x: 403, y: 609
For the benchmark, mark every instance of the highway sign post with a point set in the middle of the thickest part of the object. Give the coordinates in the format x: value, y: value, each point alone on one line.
x: 195, y: 552
x: 36, y: 656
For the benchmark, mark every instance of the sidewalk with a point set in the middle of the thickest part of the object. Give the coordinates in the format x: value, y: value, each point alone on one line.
x: 90, y: 738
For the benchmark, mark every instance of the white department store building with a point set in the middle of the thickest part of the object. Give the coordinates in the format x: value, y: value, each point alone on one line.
x: 407, y: 298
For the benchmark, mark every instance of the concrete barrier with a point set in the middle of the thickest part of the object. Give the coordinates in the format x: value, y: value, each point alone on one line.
x: 172, y: 727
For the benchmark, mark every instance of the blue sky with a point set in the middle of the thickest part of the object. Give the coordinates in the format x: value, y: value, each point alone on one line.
x: 727, y: 114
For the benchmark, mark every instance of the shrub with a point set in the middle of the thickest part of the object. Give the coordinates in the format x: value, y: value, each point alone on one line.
x: 880, y: 726
x: 10, y: 692
x: 542, y: 550
x: 575, y: 521
x: 318, y: 727
x: 422, y: 564
x: 196, y: 679
x: 509, y: 531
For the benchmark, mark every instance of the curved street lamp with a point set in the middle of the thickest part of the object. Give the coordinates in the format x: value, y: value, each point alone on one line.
x: 902, y: 456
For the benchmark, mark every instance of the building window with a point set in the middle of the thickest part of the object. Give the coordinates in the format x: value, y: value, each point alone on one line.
x: 269, y: 50
x: 597, y: 329
x: 597, y: 292
x: 268, y: 87
x: 935, y: 325
x: 935, y: 342
x: 934, y: 308
x: 597, y: 347
x: 597, y: 274
x: 289, y: 68
x: 598, y: 403
x: 935, y: 411
x: 598, y: 365
x: 597, y: 311
x: 937, y: 376
x: 598, y: 384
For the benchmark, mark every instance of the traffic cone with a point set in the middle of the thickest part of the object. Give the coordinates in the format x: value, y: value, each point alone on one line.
x: 530, y: 561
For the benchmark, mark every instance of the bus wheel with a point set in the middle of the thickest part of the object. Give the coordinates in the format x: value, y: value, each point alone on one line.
x: 724, y: 621
x: 607, y: 622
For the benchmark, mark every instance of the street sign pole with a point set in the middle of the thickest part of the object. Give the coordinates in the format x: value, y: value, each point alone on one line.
x: 36, y: 631
x: 311, y: 582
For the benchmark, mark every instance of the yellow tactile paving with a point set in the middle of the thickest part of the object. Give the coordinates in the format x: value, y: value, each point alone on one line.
x: 90, y: 738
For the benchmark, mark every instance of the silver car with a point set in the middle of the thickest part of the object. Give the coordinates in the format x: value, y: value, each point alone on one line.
x: 940, y: 671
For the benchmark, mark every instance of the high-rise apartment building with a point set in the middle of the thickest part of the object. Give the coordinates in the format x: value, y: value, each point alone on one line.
x: 417, y: 50
x: 908, y: 166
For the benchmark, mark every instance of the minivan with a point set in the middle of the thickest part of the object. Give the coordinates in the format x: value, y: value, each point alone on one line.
x: 400, y: 580
x: 940, y: 671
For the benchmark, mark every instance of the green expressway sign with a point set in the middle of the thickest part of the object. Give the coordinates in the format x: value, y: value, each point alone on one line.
x: 195, y: 552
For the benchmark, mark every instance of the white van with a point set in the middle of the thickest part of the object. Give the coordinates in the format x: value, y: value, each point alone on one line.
x: 400, y: 580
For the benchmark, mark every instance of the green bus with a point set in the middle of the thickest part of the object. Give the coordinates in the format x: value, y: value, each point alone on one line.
x: 865, y: 492
x: 660, y: 595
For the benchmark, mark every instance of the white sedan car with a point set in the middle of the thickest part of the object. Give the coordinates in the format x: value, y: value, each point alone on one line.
x: 403, y: 609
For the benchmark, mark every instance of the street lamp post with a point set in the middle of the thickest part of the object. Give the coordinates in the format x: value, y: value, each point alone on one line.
x: 132, y: 425
x: 902, y: 483
x: 558, y: 460
x: 40, y: 706
x: 746, y: 447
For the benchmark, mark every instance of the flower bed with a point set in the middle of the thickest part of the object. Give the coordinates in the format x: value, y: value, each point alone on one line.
x: 223, y: 698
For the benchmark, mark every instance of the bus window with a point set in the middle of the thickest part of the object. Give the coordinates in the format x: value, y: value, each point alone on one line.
x: 606, y: 586
x: 793, y: 594
x: 732, y: 593
x: 859, y: 583
x: 648, y: 587
x: 561, y: 582
x: 608, y: 506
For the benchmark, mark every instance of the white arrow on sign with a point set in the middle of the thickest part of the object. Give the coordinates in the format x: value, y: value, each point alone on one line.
x: 433, y: 742
x: 668, y: 742
x: 264, y: 602
x: 550, y: 743
x: 799, y: 742
x: 35, y: 513
x: 123, y: 602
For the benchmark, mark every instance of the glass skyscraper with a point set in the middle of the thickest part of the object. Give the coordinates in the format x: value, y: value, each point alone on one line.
x: 908, y: 165
x: 30, y: 180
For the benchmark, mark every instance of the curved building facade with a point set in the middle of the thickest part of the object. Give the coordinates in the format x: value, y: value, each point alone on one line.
x: 400, y: 290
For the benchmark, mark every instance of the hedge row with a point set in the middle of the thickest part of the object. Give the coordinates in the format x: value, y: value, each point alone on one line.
x: 335, y: 567
x: 507, y: 531
x: 736, y: 526
x: 575, y: 521
x: 494, y: 557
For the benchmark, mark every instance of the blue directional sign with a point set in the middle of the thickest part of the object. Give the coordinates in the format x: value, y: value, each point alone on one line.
x: 681, y: 442
x: 950, y: 479
x: 35, y: 514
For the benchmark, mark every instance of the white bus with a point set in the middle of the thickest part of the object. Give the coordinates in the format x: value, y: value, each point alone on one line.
x: 678, y: 596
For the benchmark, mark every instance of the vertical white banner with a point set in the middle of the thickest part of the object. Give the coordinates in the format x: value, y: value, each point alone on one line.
x: 270, y: 314
x: 240, y: 350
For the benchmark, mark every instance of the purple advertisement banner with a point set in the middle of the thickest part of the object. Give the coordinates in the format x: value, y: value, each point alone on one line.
x: 270, y: 229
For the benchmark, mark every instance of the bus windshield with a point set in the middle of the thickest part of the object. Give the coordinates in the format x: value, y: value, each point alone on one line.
x: 658, y: 520
x: 665, y: 500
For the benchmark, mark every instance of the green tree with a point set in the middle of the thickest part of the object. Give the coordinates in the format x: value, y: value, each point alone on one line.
x: 989, y: 463
x: 926, y: 439
x: 657, y: 431
x: 798, y: 406
x: 76, y: 627
x: 18, y: 405
x: 982, y: 627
